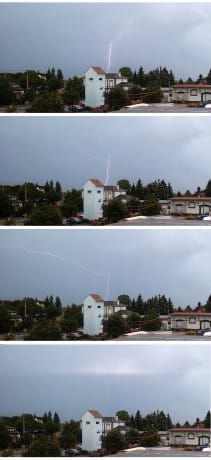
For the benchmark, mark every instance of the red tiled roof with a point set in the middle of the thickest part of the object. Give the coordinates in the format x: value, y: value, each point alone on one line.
x: 97, y: 297
x: 97, y: 182
x: 95, y: 413
x: 191, y: 198
x: 191, y: 313
x: 98, y: 69
x: 194, y: 86
x: 190, y: 429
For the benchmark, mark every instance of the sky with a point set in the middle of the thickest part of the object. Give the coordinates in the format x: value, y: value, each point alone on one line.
x: 74, y: 37
x: 70, y: 379
x: 71, y: 263
x: 74, y: 149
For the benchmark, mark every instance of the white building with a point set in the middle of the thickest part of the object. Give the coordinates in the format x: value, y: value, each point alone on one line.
x: 187, y: 93
x: 95, y: 195
x: 95, y: 309
x: 181, y: 437
x: 186, y: 320
x: 94, y: 426
x: 97, y: 83
x: 194, y: 205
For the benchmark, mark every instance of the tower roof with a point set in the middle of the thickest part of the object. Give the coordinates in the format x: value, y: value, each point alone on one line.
x: 97, y: 297
x: 97, y: 182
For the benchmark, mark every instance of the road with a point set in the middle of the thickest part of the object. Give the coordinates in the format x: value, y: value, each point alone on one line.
x: 162, y: 221
x: 164, y: 108
x: 161, y: 336
x: 153, y: 452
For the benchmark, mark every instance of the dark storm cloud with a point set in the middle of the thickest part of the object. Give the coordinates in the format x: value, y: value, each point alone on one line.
x: 71, y: 150
x: 75, y: 36
x: 72, y: 263
x: 71, y: 379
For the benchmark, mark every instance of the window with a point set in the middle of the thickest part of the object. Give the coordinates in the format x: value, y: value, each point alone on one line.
x: 191, y: 436
x: 99, y: 306
x: 192, y: 204
x: 99, y: 316
x: 99, y: 201
x: 97, y: 423
x: 192, y: 320
x: 87, y: 423
x: 99, y: 191
x: 100, y: 78
x: 89, y: 306
x: 90, y: 79
x: 193, y: 92
x: 89, y: 191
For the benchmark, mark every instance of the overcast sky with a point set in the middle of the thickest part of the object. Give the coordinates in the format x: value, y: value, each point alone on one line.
x: 76, y: 36
x: 72, y: 379
x: 72, y: 263
x: 74, y: 149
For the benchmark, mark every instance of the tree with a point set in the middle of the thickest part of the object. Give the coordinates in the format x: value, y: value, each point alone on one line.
x: 4, y: 436
x: 207, y: 420
x: 115, y: 210
x: 71, y: 434
x: 208, y: 304
x: 43, y: 447
x: 5, y: 319
x: 6, y: 208
x: 115, y: 326
x: 113, y: 442
x: 150, y: 439
x: 208, y: 189
x: 7, y: 95
x: 123, y: 415
x: 47, y: 103
x: 124, y: 299
x: 209, y: 77
x: 45, y: 330
x: 124, y: 184
x: 152, y: 321
x: 45, y: 215
x: 71, y: 96
x: 126, y: 72
x: 116, y: 98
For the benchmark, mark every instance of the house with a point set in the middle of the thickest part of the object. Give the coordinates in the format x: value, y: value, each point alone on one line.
x: 95, y: 310
x: 95, y: 194
x: 184, y: 205
x: 183, y: 437
x: 94, y: 426
x: 195, y: 93
x: 186, y: 320
x: 97, y: 82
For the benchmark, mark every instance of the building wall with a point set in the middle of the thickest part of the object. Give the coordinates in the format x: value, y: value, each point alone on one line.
x: 92, y: 201
x: 190, y: 207
x: 191, y: 94
x: 93, y: 313
x: 191, y: 322
x: 94, y: 88
x: 91, y: 432
x: 189, y: 438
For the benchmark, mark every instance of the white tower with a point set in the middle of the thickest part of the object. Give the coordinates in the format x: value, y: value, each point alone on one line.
x: 93, y: 197
x: 92, y: 425
x: 93, y: 314
x: 94, y: 83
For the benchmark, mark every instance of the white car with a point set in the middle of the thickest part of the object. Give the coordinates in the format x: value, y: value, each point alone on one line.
x: 208, y: 333
x: 206, y: 449
x: 207, y: 217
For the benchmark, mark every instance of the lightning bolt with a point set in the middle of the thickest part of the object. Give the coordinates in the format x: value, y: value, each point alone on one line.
x: 109, y: 56
x: 107, y: 170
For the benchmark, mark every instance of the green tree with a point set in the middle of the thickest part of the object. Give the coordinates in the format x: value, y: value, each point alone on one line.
x: 149, y: 439
x: 208, y: 188
x: 123, y: 415
x: 124, y: 299
x: 208, y: 304
x: 207, y: 420
x: 113, y: 442
x: 47, y: 103
x: 115, y: 210
x: 43, y: 447
x: 5, y: 319
x: 45, y: 215
x: 71, y: 96
x: 4, y: 436
x: 126, y: 72
x: 6, y: 209
x: 7, y: 95
x: 124, y: 184
x: 115, y: 326
x: 152, y: 321
x: 116, y: 98
x: 45, y: 330
x: 71, y: 434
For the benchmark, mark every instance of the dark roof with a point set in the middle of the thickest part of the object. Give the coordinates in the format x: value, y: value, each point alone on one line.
x: 194, y: 86
x: 192, y: 430
x: 191, y: 313
x: 113, y: 75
